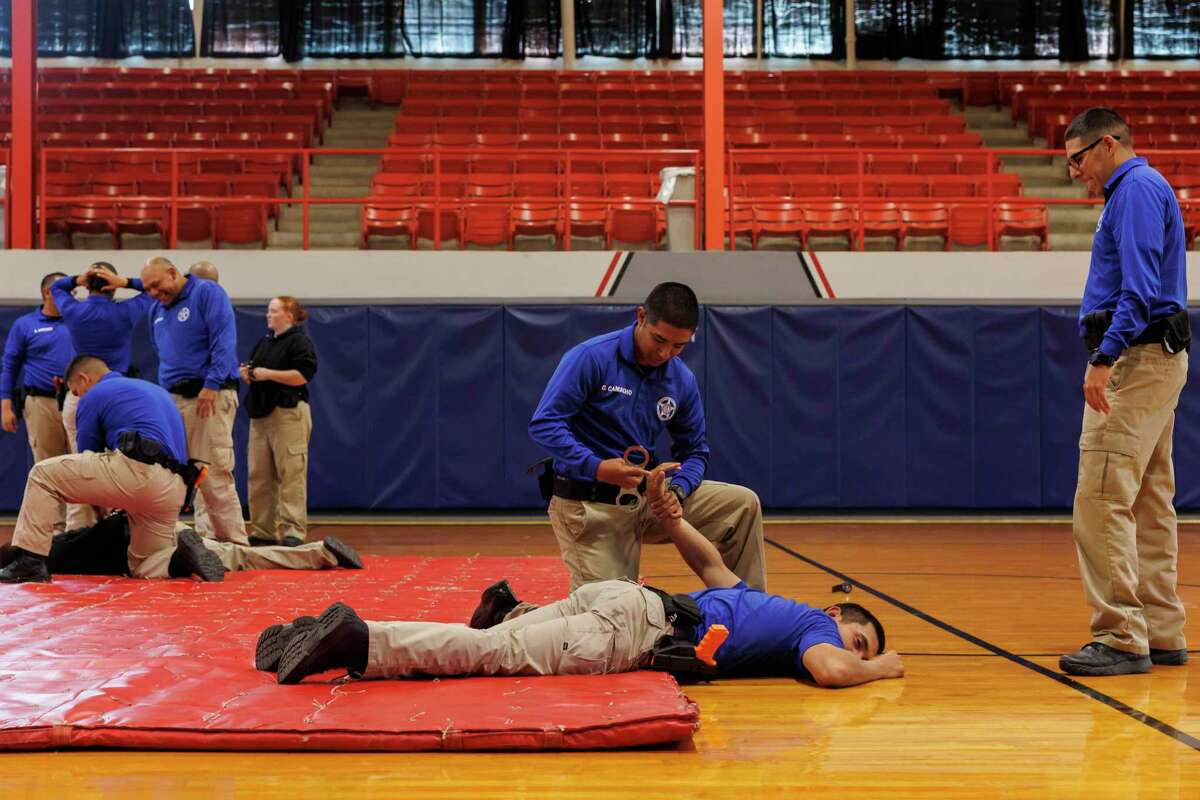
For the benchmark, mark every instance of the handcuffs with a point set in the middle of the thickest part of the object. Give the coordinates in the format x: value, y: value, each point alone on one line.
x: 630, y: 500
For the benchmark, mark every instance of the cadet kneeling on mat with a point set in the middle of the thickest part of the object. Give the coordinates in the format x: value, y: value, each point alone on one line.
x: 132, y: 456
x: 608, y: 626
x: 100, y: 550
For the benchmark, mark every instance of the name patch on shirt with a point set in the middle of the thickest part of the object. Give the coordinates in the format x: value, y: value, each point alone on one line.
x: 618, y: 389
x: 43, y: 330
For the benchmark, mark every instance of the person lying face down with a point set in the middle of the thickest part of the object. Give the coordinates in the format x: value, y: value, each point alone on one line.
x: 607, y: 626
x: 101, y: 550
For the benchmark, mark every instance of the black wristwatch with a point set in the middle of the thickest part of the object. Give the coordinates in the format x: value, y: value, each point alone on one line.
x: 678, y: 492
x: 1099, y: 359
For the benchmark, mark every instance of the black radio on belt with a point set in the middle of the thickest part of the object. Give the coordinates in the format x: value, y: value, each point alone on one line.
x: 1173, y: 332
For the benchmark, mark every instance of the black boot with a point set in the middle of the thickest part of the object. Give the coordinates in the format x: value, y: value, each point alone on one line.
x: 494, y: 604
x: 339, y: 639
x: 1168, y: 658
x: 27, y: 567
x: 191, y: 557
x: 274, y: 640
x: 345, y: 554
x: 1097, y: 659
x: 8, y: 554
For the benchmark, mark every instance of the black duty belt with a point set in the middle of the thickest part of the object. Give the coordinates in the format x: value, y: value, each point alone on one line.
x: 585, y: 491
x: 192, y: 386
x: 33, y: 391
x: 149, y: 451
x: 1173, y: 329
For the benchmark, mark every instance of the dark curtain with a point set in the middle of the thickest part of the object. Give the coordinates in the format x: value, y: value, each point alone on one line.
x: 244, y: 27
x: 960, y: 29
x: 107, y: 28
x: 1162, y: 28
x: 617, y: 28
x: 804, y: 28
x: 682, y: 28
x: 340, y: 28
x: 531, y: 28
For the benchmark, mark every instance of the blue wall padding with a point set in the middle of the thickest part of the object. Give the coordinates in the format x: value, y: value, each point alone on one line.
x: 426, y: 407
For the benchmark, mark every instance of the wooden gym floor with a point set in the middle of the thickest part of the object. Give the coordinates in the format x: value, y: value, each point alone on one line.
x: 980, y: 612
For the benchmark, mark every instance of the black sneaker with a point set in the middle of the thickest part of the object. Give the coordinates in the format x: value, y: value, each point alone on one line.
x: 258, y: 541
x: 494, y: 604
x: 26, y: 567
x: 273, y: 641
x: 346, y: 555
x: 1098, y: 659
x: 339, y: 639
x: 292, y: 541
x: 1168, y: 658
x: 191, y: 557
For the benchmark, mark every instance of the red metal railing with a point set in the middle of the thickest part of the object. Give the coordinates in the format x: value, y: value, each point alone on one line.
x: 990, y: 199
x: 437, y: 202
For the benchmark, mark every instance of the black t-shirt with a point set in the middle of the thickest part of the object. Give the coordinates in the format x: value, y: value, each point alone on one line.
x: 290, y: 350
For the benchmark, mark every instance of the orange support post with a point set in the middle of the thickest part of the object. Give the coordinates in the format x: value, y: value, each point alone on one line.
x: 24, y: 122
x: 714, y: 125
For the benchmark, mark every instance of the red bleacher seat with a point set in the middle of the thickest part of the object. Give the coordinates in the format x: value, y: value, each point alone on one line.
x: 1022, y: 220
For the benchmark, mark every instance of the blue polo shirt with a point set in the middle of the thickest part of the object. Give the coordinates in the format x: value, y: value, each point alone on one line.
x: 1138, y: 268
x: 39, y: 348
x: 117, y: 404
x: 99, y: 326
x: 600, y: 401
x: 195, y: 335
x: 768, y: 634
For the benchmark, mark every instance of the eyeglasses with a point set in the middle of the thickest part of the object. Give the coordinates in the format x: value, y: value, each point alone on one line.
x: 1076, y: 159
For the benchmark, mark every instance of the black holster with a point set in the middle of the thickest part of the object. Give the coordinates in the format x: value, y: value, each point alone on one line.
x: 1095, y: 325
x: 18, y: 401
x: 1178, y: 334
x: 676, y: 654
x: 546, y: 478
x: 60, y: 394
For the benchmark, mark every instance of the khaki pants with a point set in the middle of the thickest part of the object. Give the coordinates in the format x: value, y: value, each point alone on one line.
x: 150, y: 495
x: 602, y: 627
x: 279, y: 473
x: 601, y: 541
x: 78, y: 516
x: 1124, y: 517
x: 47, y: 436
x: 210, y: 439
x: 238, y: 557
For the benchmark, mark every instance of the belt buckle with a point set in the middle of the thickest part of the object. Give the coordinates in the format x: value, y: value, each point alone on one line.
x: 630, y: 500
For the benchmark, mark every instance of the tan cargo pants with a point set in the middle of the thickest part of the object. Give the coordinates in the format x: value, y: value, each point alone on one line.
x: 78, y: 516
x: 601, y: 541
x: 210, y: 439
x: 239, y: 557
x: 278, y: 479
x: 150, y: 494
x: 1124, y: 517
x: 600, y: 628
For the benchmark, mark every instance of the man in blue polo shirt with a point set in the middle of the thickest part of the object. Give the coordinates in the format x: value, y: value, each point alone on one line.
x: 36, y: 352
x: 1134, y: 321
x: 602, y: 627
x: 99, y: 327
x: 192, y: 325
x: 132, y: 453
x: 623, y: 389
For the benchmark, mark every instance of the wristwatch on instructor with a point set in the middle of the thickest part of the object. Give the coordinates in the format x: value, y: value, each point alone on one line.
x: 1099, y: 359
x: 678, y: 492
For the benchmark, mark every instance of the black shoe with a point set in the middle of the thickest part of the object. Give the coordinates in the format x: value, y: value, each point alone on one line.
x: 292, y: 541
x: 1097, y: 659
x: 258, y: 541
x: 1168, y: 658
x: 27, y: 567
x: 273, y: 641
x: 8, y: 554
x: 494, y: 603
x: 346, y: 555
x: 339, y: 639
x: 191, y: 557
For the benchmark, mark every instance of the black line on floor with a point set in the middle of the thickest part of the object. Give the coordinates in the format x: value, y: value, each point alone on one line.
x: 990, y: 655
x: 1112, y: 702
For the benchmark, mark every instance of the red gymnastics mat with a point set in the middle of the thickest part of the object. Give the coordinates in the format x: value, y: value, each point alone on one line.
x: 168, y: 664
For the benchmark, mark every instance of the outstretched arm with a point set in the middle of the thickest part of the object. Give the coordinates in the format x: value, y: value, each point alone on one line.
x: 834, y: 666
x: 699, y: 553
